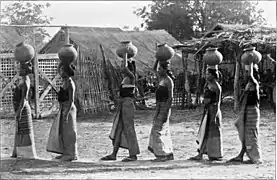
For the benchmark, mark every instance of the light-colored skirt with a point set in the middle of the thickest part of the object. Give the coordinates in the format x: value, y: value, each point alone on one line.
x: 160, y: 143
x: 63, y: 136
x: 123, y: 132
x: 24, y: 144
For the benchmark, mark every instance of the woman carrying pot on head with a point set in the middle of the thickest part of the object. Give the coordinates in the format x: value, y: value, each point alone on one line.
x: 249, y: 119
x: 209, y: 133
x: 63, y: 133
x: 160, y: 143
x: 24, y: 145
x: 123, y: 132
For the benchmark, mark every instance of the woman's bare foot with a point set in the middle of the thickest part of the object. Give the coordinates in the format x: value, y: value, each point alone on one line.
x: 197, y: 158
x: 108, y: 158
x: 236, y: 159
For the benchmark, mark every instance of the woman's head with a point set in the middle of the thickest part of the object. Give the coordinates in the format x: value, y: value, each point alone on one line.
x: 212, y: 74
x: 25, y: 68
x: 66, y: 70
x: 164, y: 70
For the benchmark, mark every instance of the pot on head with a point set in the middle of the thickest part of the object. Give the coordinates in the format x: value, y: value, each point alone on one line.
x: 24, y: 52
x: 250, y: 55
x: 127, y: 47
x: 212, y: 57
x: 164, y: 52
x: 67, y: 54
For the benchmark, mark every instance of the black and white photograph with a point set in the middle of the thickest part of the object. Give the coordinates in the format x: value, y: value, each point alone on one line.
x: 138, y: 89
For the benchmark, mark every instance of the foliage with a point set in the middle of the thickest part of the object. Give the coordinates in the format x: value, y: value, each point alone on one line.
x: 27, y: 13
x: 185, y: 18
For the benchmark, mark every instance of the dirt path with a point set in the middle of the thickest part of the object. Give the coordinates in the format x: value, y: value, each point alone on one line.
x: 93, y: 143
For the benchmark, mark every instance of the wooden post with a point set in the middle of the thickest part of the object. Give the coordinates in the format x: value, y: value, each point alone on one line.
x: 187, y: 86
x: 236, y: 85
x: 183, y: 86
x: 198, y: 86
x: 36, y: 77
x: 67, y: 39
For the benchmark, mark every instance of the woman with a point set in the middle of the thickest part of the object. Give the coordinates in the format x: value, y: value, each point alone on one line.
x: 24, y: 145
x: 123, y: 132
x: 209, y: 134
x: 63, y: 133
x: 249, y: 119
x: 160, y: 143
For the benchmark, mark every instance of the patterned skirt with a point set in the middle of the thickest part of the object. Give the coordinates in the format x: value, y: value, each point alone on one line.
x: 24, y: 144
x: 248, y: 129
x: 209, y: 133
x: 160, y: 143
x: 63, y: 136
x: 123, y: 132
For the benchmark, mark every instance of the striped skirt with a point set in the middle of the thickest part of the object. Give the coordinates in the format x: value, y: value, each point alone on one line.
x: 248, y: 129
x: 209, y: 134
x: 63, y: 136
x: 24, y: 144
x: 160, y: 143
x: 123, y: 132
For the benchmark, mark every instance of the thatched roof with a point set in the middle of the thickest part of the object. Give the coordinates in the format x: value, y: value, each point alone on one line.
x: 264, y: 32
x: 9, y: 38
x: 89, y: 39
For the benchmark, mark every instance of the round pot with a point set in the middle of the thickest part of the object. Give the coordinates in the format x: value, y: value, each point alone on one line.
x: 164, y: 52
x: 250, y: 55
x: 212, y: 57
x: 127, y: 47
x: 67, y: 54
x: 24, y: 52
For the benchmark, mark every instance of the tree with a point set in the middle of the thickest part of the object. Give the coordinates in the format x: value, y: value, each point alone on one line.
x: 27, y: 13
x: 182, y: 18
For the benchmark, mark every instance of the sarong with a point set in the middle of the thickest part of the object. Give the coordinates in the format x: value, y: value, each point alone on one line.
x: 209, y: 133
x: 123, y: 132
x: 248, y: 129
x: 24, y: 145
x: 160, y: 142
x: 63, y: 136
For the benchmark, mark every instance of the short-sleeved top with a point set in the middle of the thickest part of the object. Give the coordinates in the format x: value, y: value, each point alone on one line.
x: 210, y: 95
x: 252, y: 98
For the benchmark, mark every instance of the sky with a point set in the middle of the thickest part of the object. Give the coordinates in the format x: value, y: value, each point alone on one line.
x: 113, y: 13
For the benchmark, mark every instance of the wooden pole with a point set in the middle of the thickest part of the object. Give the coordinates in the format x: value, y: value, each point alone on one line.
x: 36, y: 77
x: 187, y: 86
x: 236, y: 85
x: 67, y: 39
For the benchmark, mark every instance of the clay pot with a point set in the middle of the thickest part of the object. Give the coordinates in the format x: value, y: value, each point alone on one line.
x: 24, y: 52
x: 67, y: 54
x: 164, y: 52
x: 212, y: 57
x: 250, y: 55
x: 127, y: 47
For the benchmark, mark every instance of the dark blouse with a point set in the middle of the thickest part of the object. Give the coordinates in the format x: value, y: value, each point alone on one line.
x: 126, y: 91
x: 210, y: 95
x: 252, y: 98
x: 162, y: 94
x: 17, y: 95
x: 63, y: 95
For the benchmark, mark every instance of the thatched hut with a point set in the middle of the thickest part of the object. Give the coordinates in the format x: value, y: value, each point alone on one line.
x: 92, y: 79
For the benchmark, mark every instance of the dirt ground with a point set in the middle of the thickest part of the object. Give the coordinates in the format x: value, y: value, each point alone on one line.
x: 93, y: 143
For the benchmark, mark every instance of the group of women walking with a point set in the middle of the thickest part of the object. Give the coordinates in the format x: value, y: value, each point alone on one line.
x: 63, y: 133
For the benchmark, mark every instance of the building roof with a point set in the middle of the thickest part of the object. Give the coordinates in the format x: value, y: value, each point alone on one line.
x: 89, y: 39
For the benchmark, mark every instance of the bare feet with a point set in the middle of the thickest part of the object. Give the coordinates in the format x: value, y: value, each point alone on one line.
x: 108, y: 158
x: 130, y: 158
x: 68, y: 158
x: 236, y: 159
x: 196, y: 158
